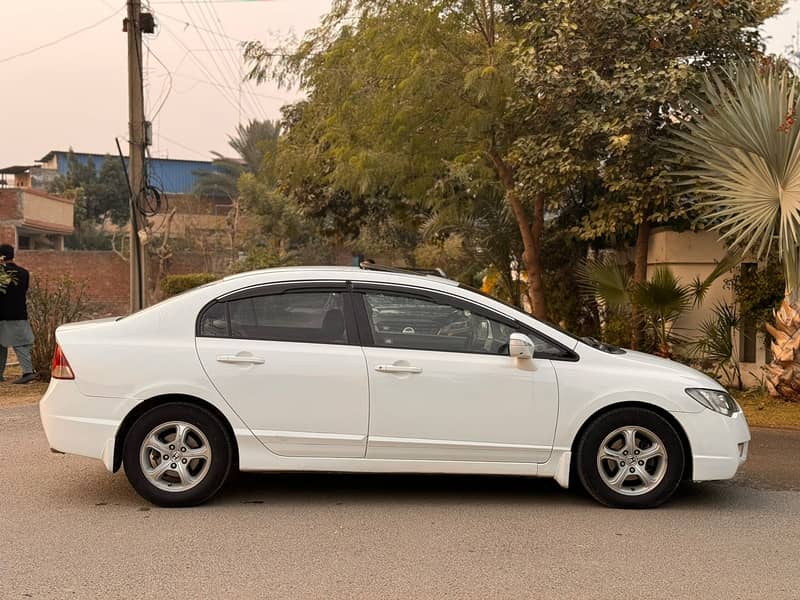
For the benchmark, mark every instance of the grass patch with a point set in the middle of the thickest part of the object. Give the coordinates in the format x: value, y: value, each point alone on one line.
x: 762, y: 410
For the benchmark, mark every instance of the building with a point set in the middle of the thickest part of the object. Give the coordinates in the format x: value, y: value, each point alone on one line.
x: 691, y: 254
x: 31, y: 219
x: 173, y: 176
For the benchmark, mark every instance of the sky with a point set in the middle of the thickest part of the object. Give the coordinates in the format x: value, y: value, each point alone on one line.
x: 73, y: 93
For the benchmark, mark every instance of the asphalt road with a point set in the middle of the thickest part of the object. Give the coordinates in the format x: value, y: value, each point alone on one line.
x: 69, y: 529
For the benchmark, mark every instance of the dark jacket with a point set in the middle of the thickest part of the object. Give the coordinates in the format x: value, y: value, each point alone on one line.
x: 13, y: 304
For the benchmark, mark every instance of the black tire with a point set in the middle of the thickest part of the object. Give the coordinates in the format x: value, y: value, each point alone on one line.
x: 593, y: 437
x: 208, y: 424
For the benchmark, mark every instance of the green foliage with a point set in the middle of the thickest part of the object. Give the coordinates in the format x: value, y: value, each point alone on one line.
x: 255, y: 144
x: 173, y: 285
x: 97, y: 194
x: 600, y: 82
x: 444, y: 124
x: 715, y: 347
x: 406, y: 124
x: 662, y: 300
x: 758, y: 291
x: 52, y: 303
x: 562, y: 254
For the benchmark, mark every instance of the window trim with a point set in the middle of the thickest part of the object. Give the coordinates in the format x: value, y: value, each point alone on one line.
x: 277, y: 289
x: 365, y: 329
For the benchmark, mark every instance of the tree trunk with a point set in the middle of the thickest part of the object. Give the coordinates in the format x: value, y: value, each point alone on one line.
x: 783, y: 374
x: 639, y: 276
x: 531, y: 233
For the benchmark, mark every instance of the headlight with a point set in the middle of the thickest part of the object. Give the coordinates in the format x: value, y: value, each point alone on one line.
x: 716, y: 400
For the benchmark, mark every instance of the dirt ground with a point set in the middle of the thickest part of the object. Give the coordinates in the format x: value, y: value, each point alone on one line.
x: 14, y: 395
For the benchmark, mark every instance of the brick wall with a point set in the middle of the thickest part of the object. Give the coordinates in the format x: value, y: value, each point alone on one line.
x: 105, y: 275
x: 7, y: 235
x: 10, y: 208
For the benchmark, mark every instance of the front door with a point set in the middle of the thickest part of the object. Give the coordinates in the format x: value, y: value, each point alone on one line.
x: 289, y: 364
x: 443, y: 386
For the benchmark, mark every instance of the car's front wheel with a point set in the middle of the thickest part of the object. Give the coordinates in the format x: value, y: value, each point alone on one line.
x: 177, y: 454
x: 630, y: 458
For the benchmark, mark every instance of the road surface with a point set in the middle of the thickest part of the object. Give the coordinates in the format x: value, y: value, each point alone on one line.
x: 69, y: 529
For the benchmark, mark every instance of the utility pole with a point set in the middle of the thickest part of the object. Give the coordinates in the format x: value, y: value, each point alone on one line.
x: 138, y: 262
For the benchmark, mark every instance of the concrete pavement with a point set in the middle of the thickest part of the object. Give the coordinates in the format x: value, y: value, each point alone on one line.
x: 68, y: 529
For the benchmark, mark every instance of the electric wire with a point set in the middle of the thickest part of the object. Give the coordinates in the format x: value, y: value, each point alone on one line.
x: 223, y: 72
x: 170, y: 82
x: 220, y: 88
x: 246, y: 84
x: 62, y: 38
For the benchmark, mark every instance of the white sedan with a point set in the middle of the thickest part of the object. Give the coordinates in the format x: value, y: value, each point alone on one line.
x: 348, y: 369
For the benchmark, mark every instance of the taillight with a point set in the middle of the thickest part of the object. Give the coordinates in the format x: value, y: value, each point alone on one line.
x: 61, y: 368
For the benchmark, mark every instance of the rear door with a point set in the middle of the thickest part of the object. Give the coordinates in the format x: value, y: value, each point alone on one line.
x: 287, y: 360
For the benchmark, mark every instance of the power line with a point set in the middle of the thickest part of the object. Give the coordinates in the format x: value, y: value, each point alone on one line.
x: 185, y: 22
x: 212, y: 83
x: 230, y: 67
x: 244, y: 86
x: 203, y: 68
x: 192, y: 150
x: 169, y: 88
x: 222, y: 72
x: 62, y: 38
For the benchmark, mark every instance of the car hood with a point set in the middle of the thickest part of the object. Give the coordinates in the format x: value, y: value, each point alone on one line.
x: 688, y: 374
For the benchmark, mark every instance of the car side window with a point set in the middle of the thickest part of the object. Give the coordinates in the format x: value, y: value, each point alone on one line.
x: 214, y: 321
x: 409, y: 322
x: 316, y: 317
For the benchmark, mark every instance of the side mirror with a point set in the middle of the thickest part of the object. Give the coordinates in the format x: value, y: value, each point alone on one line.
x: 520, y: 346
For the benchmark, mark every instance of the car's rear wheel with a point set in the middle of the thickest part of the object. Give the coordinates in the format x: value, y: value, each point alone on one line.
x: 630, y: 458
x: 177, y: 454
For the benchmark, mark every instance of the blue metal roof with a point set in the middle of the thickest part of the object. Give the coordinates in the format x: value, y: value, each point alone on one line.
x: 169, y: 175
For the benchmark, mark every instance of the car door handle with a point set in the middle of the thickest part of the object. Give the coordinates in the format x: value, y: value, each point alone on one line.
x: 397, y: 369
x: 237, y: 359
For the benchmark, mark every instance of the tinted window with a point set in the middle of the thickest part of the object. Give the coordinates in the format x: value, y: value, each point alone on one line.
x: 289, y: 317
x: 214, y: 322
x: 406, y: 322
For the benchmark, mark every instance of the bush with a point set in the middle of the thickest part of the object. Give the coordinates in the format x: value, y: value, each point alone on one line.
x: 51, y: 304
x: 177, y: 284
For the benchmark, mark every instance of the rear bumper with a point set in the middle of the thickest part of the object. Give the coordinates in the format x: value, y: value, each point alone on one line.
x: 63, y: 410
x: 719, y: 443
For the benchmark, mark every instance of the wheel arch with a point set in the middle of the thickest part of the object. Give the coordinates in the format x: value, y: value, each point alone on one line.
x: 668, y: 416
x: 160, y: 400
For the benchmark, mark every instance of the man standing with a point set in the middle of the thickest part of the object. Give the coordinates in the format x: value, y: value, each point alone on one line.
x: 15, y: 331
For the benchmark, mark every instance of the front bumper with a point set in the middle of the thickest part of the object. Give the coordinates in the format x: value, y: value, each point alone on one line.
x: 719, y: 444
x: 63, y: 410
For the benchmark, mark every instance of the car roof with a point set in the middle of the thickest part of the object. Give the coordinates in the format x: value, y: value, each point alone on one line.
x: 334, y: 272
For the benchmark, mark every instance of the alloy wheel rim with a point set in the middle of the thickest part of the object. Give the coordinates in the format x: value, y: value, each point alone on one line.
x: 175, y: 456
x: 632, y: 460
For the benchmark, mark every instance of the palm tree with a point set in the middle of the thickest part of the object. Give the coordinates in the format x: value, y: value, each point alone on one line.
x: 252, y: 142
x: 661, y: 300
x: 744, y: 148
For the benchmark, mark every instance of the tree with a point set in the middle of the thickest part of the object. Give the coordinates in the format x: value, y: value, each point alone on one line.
x: 97, y: 195
x: 398, y: 90
x: 744, y: 149
x: 599, y: 83
x: 662, y: 299
x: 252, y: 143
